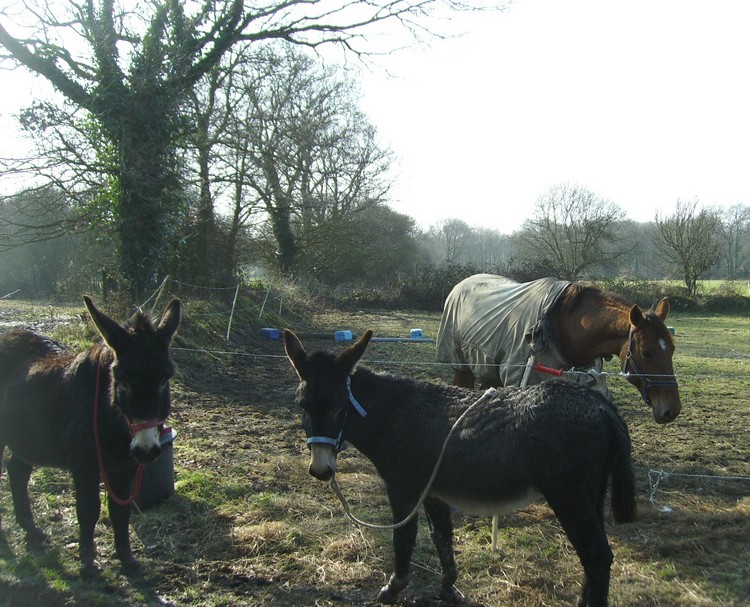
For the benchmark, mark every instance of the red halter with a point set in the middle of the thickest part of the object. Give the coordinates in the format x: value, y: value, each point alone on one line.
x: 133, y: 429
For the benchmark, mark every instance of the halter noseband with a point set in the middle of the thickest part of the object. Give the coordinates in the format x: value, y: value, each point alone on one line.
x: 645, y: 378
x: 99, y: 456
x: 337, y: 443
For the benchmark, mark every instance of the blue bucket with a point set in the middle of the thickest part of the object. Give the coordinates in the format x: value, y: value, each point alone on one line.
x: 270, y: 333
x: 342, y: 336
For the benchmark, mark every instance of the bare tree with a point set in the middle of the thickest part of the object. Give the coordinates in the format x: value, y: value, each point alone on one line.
x: 129, y: 70
x: 735, y: 236
x: 689, y: 241
x: 575, y: 229
x: 454, y: 236
x: 309, y: 156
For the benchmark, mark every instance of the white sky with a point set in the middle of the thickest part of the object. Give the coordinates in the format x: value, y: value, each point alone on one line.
x: 643, y: 102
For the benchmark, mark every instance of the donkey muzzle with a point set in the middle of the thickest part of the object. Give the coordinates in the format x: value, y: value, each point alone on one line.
x: 145, y: 446
x: 322, y: 461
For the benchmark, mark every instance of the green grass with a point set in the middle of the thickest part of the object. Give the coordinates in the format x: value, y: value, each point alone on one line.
x: 248, y: 525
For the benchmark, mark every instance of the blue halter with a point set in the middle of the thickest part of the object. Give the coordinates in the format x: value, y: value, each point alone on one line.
x: 337, y: 442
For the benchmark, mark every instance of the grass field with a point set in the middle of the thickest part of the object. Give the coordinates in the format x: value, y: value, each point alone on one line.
x: 248, y: 526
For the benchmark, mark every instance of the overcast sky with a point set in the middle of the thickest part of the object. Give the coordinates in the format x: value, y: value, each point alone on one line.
x: 643, y: 102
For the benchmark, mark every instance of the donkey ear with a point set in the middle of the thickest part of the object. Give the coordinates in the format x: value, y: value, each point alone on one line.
x: 115, y: 336
x: 295, y: 351
x: 662, y: 309
x: 170, y: 319
x: 636, y: 317
x: 349, y: 357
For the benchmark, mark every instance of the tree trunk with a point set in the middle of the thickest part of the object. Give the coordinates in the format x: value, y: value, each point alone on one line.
x: 205, y: 228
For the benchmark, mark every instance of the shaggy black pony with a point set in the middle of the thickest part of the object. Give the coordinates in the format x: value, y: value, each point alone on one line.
x: 555, y: 440
x: 97, y: 414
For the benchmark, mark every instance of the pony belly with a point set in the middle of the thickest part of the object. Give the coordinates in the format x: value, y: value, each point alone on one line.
x: 491, y: 504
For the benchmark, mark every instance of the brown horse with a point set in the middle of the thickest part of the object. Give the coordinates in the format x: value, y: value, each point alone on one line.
x: 96, y: 414
x: 582, y: 323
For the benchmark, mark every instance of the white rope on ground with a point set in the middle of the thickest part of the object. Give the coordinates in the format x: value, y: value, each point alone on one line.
x: 655, y: 477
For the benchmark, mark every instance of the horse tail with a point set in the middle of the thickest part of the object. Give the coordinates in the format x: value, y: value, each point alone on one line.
x: 623, y: 479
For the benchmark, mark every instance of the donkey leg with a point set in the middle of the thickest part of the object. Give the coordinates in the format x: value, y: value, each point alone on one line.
x: 19, y: 473
x: 585, y: 530
x: 88, y: 509
x: 120, y: 516
x: 403, y: 545
x: 439, y: 517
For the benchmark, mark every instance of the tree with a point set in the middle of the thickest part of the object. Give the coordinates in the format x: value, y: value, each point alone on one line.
x: 309, y: 156
x: 38, y: 262
x: 454, y: 236
x: 129, y: 70
x: 689, y: 240
x: 735, y: 236
x: 368, y: 247
x: 573, y: 228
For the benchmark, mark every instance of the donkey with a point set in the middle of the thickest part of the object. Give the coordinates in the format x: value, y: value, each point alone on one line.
x: 555, y: 440
x: 97, y: 414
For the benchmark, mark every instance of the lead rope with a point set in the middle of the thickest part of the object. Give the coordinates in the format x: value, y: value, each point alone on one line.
x: 100, y: 458
x: 489, y: 393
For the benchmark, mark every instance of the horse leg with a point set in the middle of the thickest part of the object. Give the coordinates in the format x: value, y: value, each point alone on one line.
x: 121, y: 483
x: 439, y: 517
x: 88, y: 509
x: 463, y: 378
x: 19, y: 473
x: 585, y: 529
x: 403, y: 545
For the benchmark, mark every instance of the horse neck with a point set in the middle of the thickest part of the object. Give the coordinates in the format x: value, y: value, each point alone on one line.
x: 595, y: 325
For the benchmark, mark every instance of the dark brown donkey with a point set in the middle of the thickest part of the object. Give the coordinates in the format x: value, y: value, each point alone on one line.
x: 556, y: 440
x: 96, y: 414
x: 579, y: 323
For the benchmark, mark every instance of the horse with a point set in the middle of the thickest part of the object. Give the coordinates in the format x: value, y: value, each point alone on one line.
x: 97, y: 414
x: 556, y: 440
x: 491, y: 326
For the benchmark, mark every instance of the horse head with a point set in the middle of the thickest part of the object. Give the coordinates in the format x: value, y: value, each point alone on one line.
x: 325, y: 398
x: 140, y: 373
x: 646, y: 360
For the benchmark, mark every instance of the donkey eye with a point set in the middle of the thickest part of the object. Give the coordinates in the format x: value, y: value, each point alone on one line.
x: 647, y: 353
x: 123, y: 388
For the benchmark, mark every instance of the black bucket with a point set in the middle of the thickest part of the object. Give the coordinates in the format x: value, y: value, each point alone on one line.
x: 158, y: 477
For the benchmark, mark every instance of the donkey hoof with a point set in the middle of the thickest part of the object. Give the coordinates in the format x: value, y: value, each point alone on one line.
x: 89, y: 571
x: 389, y: 593
x: 131, y: 567
x: 387, y: 596
x: 35, y: 538
x: 452, y: 596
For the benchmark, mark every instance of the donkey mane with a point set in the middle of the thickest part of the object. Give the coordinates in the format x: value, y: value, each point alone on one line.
x: 140, y: 323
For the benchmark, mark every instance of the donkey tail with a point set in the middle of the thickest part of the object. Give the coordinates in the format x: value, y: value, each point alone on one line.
x: 623, y: 478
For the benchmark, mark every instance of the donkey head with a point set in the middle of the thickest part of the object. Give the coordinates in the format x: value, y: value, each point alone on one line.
x: 141, y: 372
x: 646, y: 359
x: 324, y: 396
